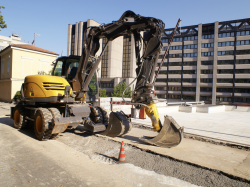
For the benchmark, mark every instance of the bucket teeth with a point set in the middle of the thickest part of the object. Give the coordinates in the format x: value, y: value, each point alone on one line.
x: 169, y: 136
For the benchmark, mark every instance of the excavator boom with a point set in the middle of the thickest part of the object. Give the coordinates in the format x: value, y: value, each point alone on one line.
x: 170, y: 134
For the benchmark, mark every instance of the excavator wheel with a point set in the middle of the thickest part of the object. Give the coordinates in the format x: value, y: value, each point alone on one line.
x: 42, y: 128
x: 55, y: 114
x: 96, y: 114
x: 19, y: 122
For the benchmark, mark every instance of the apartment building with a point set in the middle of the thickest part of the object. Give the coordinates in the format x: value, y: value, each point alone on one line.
x: 207, y: 62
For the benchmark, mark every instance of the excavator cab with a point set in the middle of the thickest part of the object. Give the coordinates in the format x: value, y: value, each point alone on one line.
x: 66, y: 67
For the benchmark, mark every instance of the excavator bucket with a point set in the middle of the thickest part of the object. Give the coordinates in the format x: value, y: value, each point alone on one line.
x: 119, y: 124
x: 170, y: 134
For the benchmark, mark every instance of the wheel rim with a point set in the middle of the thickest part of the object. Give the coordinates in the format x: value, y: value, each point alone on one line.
x: 16, y: 117
x: 39, y: 124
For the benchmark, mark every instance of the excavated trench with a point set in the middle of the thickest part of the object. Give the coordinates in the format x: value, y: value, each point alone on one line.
x: 105, y: 150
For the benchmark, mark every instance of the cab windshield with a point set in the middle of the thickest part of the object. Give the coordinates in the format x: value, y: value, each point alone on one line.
x: 67, y: 68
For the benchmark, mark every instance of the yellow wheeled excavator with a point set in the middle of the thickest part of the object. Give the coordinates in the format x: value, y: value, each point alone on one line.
x: 54, y: 103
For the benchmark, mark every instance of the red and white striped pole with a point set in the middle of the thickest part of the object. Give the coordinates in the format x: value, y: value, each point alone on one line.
x: 169, y: 43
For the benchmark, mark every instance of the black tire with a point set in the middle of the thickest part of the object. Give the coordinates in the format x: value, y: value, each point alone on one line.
x: 96, y: 115
x: 55, y: 114
x: 105, y: 115
x: 18, y: 119
x: 42, y: 127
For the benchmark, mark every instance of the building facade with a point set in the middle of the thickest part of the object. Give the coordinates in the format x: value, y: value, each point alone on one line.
x: 19, y: 60
x: 6, y: 41
x: 207, y: 62
x: 118, y: 62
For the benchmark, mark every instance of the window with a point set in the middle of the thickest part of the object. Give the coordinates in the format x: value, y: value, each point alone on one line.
x: 175, y: 55
x: 175, y: 63
x: 8, y: 66
x: 207, y: 62
x: 174, y: 88
x: 174, y: 72
x: 205, y: 98
x: 177, y: 39
x: 191, y: 63
x: 242, y: 33
x: 205, y: 89
x: 207, y: 45
x: 170, y: 96
x: 207, y: 54
x: 206, y: 80
x: 174, y: 80
x: 190, y: 54
x: 193, y: 46
x: 190, y: 38
x: 164, y: 40
x: 209, y: 36
x: 189, y: 89
x: 104, y: 69
x: 207, y: 71
x: 243, y: 52
x: 242, y: 71
x: 220, y: 53
x: 229, y: 34
x: 58, y: 69
x: 222, y: 44
x: 220, y: 62
x: 243, y: 42
x: 189, y: 72
x: 230, y: 90
x: 225, y: 71
x: 160, y: 88
x: 224, y: 80
x: 126, y: 56
x: 178, y: 47
x: 189, y: 80
x: 243, y: 61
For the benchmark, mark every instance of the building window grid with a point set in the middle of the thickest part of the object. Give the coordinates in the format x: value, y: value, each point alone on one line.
x: 104, y: 70
x: 207, y: 71
x: 208, y: 36
x: 207, y: 45
x: 126, y: 57
x: 210, y: 62
x: 190, y: 38
x: 207, y: 54
x: 189, y: 55
x: 227, y: 34
x: 243, y: 42
x: 192, y: 46
x: 223, y: 44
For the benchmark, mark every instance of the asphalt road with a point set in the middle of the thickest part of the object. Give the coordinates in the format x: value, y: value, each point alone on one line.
x: 25, y: 161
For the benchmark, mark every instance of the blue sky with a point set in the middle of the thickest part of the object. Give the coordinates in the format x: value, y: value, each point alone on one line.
x: 50, y: 18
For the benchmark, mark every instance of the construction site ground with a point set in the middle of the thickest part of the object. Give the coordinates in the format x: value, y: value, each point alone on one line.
x: 75, y: 155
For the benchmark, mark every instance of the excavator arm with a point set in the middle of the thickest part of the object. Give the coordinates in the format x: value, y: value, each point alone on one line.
x: 129, y: 24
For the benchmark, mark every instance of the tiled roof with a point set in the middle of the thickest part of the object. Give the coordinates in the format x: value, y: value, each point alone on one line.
x: 31, y: 47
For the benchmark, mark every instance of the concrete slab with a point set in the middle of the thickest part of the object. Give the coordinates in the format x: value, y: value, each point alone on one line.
x: 228, y: 160
x: 228, y: 125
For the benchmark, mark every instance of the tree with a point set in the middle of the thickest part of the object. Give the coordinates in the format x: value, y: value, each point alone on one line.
x: 102, y: 92
x: 118, y: 90
x: 2, y: 22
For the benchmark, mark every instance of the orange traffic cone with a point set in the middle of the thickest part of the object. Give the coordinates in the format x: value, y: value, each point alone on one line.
x: 122, y: 154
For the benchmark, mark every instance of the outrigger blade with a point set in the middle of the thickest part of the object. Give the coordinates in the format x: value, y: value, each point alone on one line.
x: 170, y: 134
x: 119, y: 124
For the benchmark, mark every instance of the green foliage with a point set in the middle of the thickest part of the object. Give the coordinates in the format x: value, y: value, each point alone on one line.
x: 102, y: 92
x: 118, y: 90
x: 17, y: 96
x: 2, y: 22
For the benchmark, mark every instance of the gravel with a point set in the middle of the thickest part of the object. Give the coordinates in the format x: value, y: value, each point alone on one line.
x: 106, y: 150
